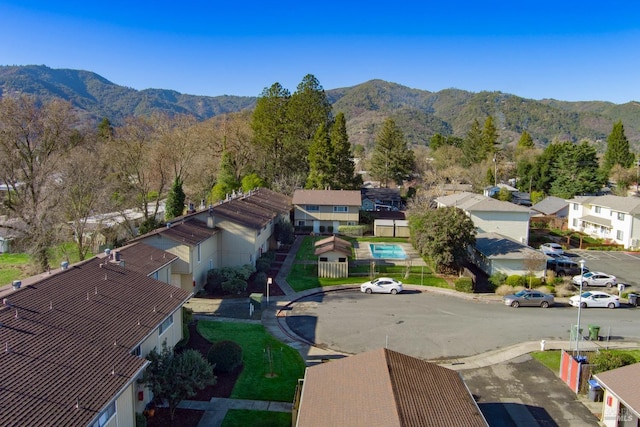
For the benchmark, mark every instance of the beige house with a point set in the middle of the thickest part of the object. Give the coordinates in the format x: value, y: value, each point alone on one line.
x: 75, y: 341
x: 326, y: 210
x: 387, y: 389
x: 621, y: 401
x: 232, y: 233
x: 333, y: 257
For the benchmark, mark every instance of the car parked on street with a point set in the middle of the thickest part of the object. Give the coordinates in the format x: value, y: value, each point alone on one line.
x: 595, y: 299
x: 551, y: 248
x: 528, y: 298
x: 595, y: 278
x: 382, y: 285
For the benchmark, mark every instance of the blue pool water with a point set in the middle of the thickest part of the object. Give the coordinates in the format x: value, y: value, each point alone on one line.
x: 387, y: 250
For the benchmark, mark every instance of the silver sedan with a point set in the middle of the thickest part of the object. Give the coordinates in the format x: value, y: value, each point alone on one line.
x: 529, y: 298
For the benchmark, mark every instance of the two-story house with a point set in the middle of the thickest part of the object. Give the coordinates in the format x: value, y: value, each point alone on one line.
x: 74, y: 341
x: 326, y: 210
x: 613, y: 218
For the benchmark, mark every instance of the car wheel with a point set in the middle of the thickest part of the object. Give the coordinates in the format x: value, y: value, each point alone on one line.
x: 394, y: 291
x: 515, y: 304
x: 545, y: 304
x: 583, y: 304
x: 611, y: 305
x: 368, y: 290
x: 561, y: 273
x: 585, y: 284
x: 609, y: 285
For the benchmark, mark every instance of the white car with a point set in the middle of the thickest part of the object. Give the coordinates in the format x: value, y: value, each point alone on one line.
x: 551, y: 249
x: 382, y: 285
x: 595, y: 278
x: 595, y: 299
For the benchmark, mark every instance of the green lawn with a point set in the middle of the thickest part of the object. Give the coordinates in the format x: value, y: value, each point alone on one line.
x: 551, y: 359
x: 243, y: 418
x: 262, y: 378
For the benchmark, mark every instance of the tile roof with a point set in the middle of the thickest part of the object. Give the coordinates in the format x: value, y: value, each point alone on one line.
x: 327, y: 197
x: 144, y: 259
x: 472, y: 202
x: 385, y: 388
x: 550, y: 205
x: 190, y: 232
x: 623, y: 382
x: 392, y: 194
x: 67, y: 339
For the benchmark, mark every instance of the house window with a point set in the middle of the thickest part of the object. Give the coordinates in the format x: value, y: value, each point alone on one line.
x: 342, y: 260
x: 312, y: 207
x: 105, y: 415
x: 323, y: 259
x: 340, y: 209
x: 166, y: 324
x: 301, y: 223
x: 597, y: 209
x: 137, y: 351
x: 575, y: 222
x: 619, y: 235
x: 198, y: 252
x: 620, y: 216
x: 575, y: 206
x: 156, y: 275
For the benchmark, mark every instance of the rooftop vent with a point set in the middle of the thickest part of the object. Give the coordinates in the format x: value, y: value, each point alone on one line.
x: 16, y: 284
x: 64, y: 265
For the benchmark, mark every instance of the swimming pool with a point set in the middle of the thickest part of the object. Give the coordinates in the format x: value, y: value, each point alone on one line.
x: 387, y: 250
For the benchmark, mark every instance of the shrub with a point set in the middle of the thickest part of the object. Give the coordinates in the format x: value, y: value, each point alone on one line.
x: 498, y: 279
x: 263, y: 265
x: 141, y: 420
x: 564, y: 290
x: 606, y: 360
x: 260, y: 279
x: 225, y: 356
x: 515, y: 280
x: 532, y: 282
x: 508, y: 290
x: 234, y: 286
x: 464, y: 284
x: 187, y: 318
x: 545, y: 289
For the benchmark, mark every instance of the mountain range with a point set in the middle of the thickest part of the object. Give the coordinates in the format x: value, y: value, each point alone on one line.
x: 419, y: 113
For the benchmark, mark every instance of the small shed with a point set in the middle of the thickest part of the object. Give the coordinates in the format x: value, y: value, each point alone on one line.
x: 333, y: 257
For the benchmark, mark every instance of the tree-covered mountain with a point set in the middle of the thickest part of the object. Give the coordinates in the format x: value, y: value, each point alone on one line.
x: 419, y: 113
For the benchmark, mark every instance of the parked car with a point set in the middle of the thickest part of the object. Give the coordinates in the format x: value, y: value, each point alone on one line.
x: 551, y: 248
x: 529, y: 298
x: 383, y: 285
x: 595, y: 278
x: 564, y: 266
x: 595, y: 299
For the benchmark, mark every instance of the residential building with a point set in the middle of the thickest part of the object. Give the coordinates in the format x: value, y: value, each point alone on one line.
x: 613, y: 218
x: 491, y: 215
x: 621, y: 400
x: 74, y: 341
x: 387, y: 389
x: 234, y: 232
x: 381, y: 199
x: 551, y: 206
x: 326, y: 210
x: 496, y: 253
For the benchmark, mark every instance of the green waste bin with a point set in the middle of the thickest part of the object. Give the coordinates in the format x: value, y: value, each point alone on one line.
x: 594, y: 332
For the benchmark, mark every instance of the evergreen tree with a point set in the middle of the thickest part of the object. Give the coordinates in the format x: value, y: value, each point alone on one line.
x: 226, y: 181
x: 175, y: 200
x: 344, y: 177
x: 321, y: 162
x: 391, y: 160
x: 525, y: 142
x: 251, y: 182
x: 489, y: 139
x: 617, y: 149
x: 576, y: 170
x: 105, y: 130
x: 472, y: 147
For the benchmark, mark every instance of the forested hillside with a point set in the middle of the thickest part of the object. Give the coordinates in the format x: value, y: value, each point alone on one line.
x: 419, y: 113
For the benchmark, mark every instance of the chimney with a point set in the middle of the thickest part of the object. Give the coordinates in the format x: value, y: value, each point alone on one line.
x: 211, y: 221
x: 16, y: 284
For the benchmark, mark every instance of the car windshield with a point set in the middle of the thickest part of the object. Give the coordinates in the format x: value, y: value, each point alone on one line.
x: 521, y: 293
x: 586, y: 294
x: 587, y: 275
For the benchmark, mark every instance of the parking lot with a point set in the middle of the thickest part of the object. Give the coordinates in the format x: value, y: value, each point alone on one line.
x: 624, y: 265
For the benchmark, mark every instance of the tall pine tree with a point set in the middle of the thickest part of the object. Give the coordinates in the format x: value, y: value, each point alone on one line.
x: 321, y: 165
x: 344, y: 177
x: 391, y: 160
x: 175, y: 200
x: 618, y: 152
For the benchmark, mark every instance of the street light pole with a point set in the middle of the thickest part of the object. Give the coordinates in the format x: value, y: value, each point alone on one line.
x: 579, y: 308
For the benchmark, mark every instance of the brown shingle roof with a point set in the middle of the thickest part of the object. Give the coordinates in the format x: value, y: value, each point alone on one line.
x: 190, y: 232
x: 623, y: 382
x: 69, y: 339
x: 145, y: 259
x: 385, y: 388
x: 327, y: 197
x: 332, y: 243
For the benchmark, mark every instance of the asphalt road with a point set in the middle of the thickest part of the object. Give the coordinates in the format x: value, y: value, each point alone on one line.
x: 624, y: 265
x: 432, y: 326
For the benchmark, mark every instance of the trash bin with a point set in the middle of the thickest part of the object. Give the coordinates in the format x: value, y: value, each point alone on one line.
x: 633, y: 299
x: 595, y: 391
x: 594, y: 332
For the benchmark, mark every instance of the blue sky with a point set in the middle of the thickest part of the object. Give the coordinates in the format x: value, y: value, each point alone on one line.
x: 566, y: 50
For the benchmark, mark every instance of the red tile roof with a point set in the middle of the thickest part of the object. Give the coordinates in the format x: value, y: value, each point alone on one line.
x: 385, y: 388
x: 67, y: 340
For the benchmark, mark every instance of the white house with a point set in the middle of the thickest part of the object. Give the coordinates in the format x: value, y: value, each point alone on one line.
x: 495, y: 253
x: 613, y: 218
x: 491, y: 215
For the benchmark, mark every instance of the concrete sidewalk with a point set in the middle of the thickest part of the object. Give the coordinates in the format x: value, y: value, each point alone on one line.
x: 216, y: 409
